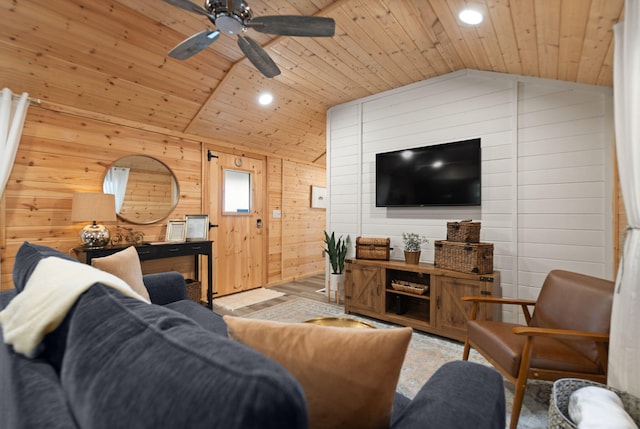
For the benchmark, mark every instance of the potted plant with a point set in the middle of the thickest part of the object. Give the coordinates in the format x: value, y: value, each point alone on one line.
x: 337, y: 251
x: 412, y: 246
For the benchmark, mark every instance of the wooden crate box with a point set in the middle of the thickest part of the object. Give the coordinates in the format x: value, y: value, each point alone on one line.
x: 373, y: 248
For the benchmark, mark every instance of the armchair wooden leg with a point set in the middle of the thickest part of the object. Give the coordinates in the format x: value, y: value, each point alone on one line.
x: 518, y: 397
x: 521, y: 383
x: 472, y: 316
x: 467, y: 347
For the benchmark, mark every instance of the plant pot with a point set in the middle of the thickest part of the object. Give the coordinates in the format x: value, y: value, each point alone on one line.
x: 412, y: 257
x: 336, y: 282
x: 336, y: 287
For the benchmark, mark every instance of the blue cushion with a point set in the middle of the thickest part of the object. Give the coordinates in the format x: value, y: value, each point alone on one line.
x: 130, y: 364
x: 27, y: 259
x: 201, y: 315
x: 30, y: 392
x: 459, y: 395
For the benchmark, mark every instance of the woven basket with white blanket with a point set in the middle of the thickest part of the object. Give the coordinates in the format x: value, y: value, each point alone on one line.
x: 562, y: 390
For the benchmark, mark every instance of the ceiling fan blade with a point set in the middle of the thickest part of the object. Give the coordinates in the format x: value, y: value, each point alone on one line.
x: 194, y: 44
x: 294, y: 25
x: 191, y: 7
x: 258, y: 56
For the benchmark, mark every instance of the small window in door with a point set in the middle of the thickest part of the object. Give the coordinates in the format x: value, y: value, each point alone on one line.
x: 237, y: 191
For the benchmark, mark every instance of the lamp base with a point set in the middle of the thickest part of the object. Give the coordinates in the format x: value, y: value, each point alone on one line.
x: 94, y: 235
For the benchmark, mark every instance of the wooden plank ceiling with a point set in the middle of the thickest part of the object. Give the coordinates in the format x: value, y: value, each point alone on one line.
x: 110, y: 57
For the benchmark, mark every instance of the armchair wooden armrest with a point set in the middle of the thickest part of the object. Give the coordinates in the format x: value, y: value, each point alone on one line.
x: 599, y: 338
x: 565, y: 334
x: 497, y: 300
x: 477, y: 300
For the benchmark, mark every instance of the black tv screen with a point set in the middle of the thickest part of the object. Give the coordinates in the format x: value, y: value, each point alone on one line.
x: 439, y: 175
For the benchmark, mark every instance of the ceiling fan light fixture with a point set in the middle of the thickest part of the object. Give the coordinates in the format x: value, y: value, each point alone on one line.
x: 229, y: 24
x: 265, y: 99
x: 470, y: 16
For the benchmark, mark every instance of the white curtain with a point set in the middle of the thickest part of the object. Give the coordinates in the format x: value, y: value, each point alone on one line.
x: 12, y: 115
x: 115, y: 182
x: 624, y: 348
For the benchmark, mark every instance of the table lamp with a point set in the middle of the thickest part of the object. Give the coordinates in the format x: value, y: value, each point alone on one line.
x: 93, y: 207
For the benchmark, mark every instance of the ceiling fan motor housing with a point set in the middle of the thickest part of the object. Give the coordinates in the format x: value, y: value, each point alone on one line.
x: 231, y: 16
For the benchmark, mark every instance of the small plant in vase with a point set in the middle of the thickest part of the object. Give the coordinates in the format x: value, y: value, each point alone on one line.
x: 337, y: 251
x: 412, y: 246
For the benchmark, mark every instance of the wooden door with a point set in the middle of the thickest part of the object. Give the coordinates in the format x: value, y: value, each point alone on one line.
x: 239, y: 253
x: 364, y: 288
x: 451, y: 312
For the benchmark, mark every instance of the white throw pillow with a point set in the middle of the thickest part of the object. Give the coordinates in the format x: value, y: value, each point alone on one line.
x: 595, y: 407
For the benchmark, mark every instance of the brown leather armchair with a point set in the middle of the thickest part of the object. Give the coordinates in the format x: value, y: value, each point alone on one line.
x: 568, y: 335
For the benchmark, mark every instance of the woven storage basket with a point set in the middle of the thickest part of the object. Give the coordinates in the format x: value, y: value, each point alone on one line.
x: 194, y: 292
x: 475, y: 258
x: 463, y: 232
x: 409, y: 287
x: 562, y: 390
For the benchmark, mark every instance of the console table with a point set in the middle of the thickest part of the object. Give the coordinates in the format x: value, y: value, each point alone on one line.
x: 161, y: 251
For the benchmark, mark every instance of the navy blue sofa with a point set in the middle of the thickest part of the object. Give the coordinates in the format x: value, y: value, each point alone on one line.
x: 117, y: 362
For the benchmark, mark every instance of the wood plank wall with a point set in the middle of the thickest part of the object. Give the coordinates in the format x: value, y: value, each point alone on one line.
x: 546, y: 170
x: 302, y: 226
x: 295, y: 238
x: 61, y: 153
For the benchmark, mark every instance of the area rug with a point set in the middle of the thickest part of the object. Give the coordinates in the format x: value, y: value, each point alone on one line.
x: 244, y: 299
x: 425, y: 355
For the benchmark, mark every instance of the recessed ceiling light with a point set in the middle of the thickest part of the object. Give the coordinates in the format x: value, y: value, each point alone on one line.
x: 265, y: 99
x: 470, y: 16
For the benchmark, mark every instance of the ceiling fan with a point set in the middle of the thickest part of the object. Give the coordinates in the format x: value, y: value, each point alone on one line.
x: 234, y: 17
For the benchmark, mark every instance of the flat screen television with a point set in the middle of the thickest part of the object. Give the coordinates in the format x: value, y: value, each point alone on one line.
x: 439, y: 175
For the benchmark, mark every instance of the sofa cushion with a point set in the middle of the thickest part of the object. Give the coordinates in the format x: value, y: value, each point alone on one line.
x: 349, y: 375
x: 459, y: 395
x: 128, y: 364
x: 30, y: 392
x: 166, y: 287
x: 203, y: 316
x: 27, y: 258
x: 51, y: 291
x: 124, y: 264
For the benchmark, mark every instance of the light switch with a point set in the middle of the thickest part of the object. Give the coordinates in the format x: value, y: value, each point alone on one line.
x: 277, y: 214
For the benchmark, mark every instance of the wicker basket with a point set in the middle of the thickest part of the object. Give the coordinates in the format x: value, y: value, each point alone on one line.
x: 409, y: 287
x: 373, y: 248
x: 194, y: 292
x: 475, y: 258
x: 562, y: 390
x: 463, y: 232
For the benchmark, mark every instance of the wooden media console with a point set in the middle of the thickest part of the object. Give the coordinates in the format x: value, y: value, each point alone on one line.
x: 439, y: 310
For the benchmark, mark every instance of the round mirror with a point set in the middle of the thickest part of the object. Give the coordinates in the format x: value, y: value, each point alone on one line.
x: 146, y: 190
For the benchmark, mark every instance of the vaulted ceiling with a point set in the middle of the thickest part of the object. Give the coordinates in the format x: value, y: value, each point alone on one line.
x: 110, y: 57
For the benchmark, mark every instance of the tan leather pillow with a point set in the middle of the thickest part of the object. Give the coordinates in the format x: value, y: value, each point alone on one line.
x: 125, y: 265
x: 348, y: 375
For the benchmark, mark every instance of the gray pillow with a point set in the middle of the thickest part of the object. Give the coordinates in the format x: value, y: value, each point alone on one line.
x: 27, y: 259
x: 130, y: 364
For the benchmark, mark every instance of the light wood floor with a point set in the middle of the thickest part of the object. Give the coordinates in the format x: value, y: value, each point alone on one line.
x: 305, y: 288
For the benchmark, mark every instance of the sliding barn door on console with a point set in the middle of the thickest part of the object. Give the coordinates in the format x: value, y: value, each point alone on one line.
x: 236, y: 195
